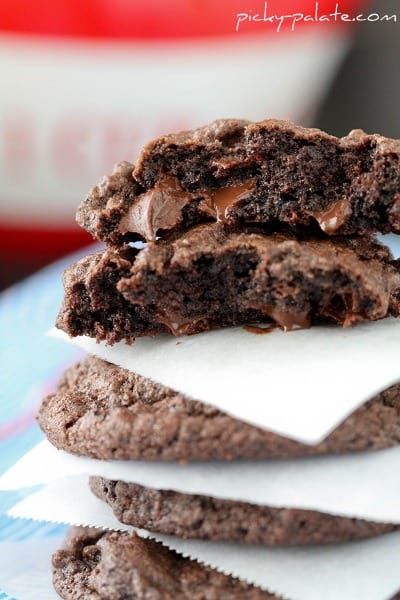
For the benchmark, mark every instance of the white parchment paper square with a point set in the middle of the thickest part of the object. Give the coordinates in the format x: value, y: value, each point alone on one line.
x: 300, y: 384
x: 364, y: 485
x: 367, y: 570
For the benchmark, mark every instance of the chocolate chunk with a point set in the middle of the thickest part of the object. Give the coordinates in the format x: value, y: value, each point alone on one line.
x: 207, y: 518
x: 106, y: 412
x: 212, y: 277
x: 103, y: 565
x: 241, y: 172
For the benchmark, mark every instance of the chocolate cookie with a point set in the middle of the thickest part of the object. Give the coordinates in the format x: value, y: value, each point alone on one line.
x: 240, y: 172
x: 207, y: 518
x: 210, y: 277
x: 106, y: 412
x: 100, y: 565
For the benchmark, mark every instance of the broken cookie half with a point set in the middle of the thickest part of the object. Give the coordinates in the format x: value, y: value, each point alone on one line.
x: 212, y: 277
x: 240, y: 173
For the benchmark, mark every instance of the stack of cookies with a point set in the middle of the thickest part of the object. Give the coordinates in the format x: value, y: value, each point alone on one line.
x: 259, y: 225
